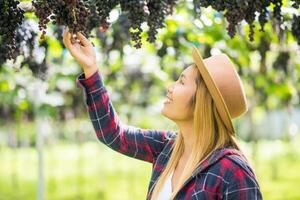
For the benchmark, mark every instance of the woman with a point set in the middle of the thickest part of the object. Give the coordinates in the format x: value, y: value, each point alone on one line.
x: 200, y: 161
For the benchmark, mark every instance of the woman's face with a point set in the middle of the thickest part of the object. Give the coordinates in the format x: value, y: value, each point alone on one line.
x: 180, y: 92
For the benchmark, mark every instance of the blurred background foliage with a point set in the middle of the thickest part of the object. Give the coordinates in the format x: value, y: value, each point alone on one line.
x: 46, y: 138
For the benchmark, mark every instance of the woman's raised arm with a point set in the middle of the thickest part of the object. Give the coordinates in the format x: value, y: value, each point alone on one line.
x: 143, y: 144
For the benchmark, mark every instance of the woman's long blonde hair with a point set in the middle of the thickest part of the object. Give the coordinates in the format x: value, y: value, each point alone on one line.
x: 210, y: 134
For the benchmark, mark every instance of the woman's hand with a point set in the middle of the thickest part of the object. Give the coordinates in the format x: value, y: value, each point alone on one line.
x: 83, y: 52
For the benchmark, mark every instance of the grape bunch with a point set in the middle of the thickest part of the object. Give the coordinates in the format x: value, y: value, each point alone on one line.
x: 138, y: 12
x: 120, y: 35
x: 71, y: 13
x: 158, y: 11
x: 43, y: 11
x: 153, y: 12
x: 296, y: 27
x: 281, y: 62
x: 38, y: 67
x: 238, y: 10
x: 277, y: 9
x: 27, y: 45
x: 11, y: 17
x: 94, y: 20
x: 296, y: 3
x: 104, y: 8
x: 85, y: 15
x: 27, y: 38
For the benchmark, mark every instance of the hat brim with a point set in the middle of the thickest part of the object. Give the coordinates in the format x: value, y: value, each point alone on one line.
x: 213, y: 89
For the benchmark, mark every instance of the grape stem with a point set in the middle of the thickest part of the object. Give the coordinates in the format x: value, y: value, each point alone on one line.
x: 74, y: 16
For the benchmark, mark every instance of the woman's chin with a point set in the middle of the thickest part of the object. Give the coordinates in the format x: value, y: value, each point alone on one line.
x: 163, y: 111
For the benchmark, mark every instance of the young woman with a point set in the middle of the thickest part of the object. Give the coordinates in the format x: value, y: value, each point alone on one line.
x: 200, y: 161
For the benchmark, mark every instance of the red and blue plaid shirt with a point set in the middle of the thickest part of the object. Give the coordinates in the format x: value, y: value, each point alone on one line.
x: 225, y: 174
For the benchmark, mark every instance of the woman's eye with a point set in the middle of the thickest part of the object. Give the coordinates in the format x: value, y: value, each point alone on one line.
x: 181, y: 82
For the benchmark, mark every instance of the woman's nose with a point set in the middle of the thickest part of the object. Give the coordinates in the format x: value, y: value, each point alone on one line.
x: 169, y: 89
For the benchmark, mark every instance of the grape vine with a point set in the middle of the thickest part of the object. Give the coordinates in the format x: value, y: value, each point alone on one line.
x: 11, y: 17
x: 71, y: 13
x: 86, y: 15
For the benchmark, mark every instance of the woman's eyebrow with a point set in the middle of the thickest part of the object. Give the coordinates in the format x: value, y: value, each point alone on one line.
x: 182, y: 75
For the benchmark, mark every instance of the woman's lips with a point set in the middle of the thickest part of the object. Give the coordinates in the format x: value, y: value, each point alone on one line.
x: 167, y: 100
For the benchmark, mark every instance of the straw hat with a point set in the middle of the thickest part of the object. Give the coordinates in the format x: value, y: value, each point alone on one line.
x: 224, y: 85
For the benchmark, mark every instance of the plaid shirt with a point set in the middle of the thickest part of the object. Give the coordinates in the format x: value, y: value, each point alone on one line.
x: 225, y: 174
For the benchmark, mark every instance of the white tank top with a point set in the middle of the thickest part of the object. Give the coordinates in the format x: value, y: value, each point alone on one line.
x: 166, y: 191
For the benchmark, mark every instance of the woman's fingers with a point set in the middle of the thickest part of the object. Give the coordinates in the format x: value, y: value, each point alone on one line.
x: 80, y: 49
x: 67, y: 42
x: 67, y: 38
x: 83, y: 40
